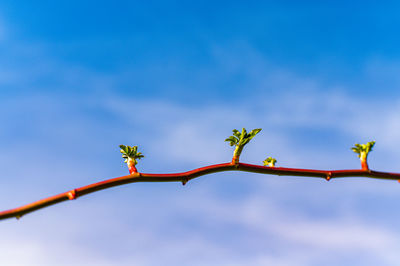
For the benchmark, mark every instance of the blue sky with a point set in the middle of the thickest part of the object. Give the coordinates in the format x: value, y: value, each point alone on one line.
x: 79, y: 78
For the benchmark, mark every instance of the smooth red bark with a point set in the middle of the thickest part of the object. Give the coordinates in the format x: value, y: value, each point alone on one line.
x: 184, y: 177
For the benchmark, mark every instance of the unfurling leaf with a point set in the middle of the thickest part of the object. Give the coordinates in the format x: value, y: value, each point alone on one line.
x: 232, y: 140
x: 269, y: 162
x: 240, y: 139
x: 236, y: 133
x: 254, y: 132
x: 130, y: 152
x: 363, y: 148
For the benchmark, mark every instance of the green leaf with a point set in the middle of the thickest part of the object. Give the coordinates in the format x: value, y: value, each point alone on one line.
x: 232, y: 139
x: 359, y: 148
x: 370, y: 145
x: 254, y: 132
x: 243, y: 134
x: 123, y: 148
x: 242, y: 138
x: 236, y: 133
x: 245, y: 141
x: 130, y: 152
x: 269, y: 160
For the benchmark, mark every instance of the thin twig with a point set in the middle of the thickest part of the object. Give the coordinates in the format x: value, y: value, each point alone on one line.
x: 186, y: 176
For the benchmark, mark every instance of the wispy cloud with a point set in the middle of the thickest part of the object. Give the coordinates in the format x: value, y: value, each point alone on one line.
x: 66, y: 137
x: 252, y: 230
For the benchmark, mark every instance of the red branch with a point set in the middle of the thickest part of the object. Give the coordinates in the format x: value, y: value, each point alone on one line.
x: 186, y: 176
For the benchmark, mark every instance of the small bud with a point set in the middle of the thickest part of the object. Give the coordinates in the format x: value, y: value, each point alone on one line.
x: 328, y: 176
x: 72, y: 194
x: 363, y: 150
x: 270, y: 162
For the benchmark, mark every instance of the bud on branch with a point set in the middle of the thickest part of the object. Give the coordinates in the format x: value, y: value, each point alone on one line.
x: 270, y: 162
x: 240, y: 139
x: 362, y: 150
x: 130, y: 155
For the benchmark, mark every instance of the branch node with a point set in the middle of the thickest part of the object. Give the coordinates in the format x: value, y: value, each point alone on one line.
x: 328, y: 176
x: 18, y: 217
x: 184, y: 181
x: 72, y: 194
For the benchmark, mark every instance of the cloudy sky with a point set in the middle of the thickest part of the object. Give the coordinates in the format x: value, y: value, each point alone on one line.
x: 79, y: 78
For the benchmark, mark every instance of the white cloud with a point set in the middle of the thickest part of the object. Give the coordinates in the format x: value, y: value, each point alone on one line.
x: 196, y: 134
x: 195, y: 224
x: 257, y: 230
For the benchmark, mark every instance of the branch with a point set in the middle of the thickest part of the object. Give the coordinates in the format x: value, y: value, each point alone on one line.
x: 239, y: 140
x: 184, y: 177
